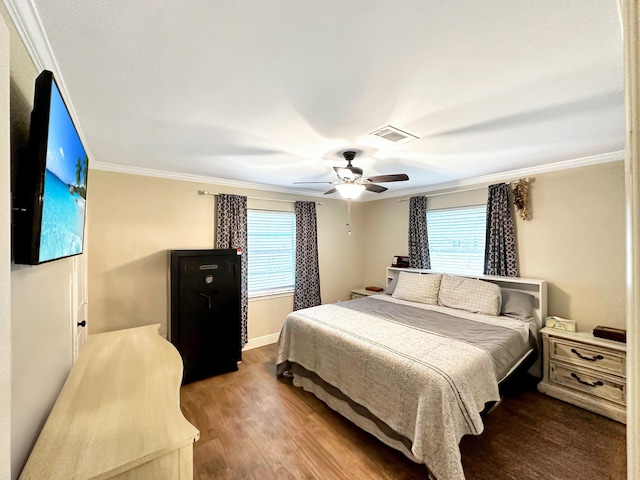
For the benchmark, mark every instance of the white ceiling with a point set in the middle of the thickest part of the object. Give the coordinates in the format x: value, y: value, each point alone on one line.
x: 273, y: 91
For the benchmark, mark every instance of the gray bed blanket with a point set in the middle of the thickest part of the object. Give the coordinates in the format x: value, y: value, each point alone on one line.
x: 504, y: 344
x: 425, y: 377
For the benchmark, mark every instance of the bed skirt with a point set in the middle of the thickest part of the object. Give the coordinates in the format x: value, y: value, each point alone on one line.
x: 353, y: 412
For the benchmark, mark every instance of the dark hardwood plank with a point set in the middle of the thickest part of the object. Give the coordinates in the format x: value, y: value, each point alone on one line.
x: 256, y: 426
x: 555, y: 440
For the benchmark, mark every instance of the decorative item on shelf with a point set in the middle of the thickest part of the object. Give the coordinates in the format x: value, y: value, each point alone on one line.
x: 374, y: 289
x: 400, y: 261
x: 610, y: 333
x: 521, y: 197
x: 561, y: 324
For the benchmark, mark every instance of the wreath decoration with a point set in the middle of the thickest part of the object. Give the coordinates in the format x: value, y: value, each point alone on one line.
x: 521, y: 198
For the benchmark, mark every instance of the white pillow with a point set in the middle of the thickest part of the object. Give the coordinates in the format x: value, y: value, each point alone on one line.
x: 419, y: 288
x: 468, y: 294
x: 392, y: 286
x: 518, y: 305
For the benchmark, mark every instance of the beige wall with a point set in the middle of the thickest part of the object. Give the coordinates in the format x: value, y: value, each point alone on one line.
x: 5, y: 260
x: 574, y: 240
x: 41, y: 318
x: 133, y: 220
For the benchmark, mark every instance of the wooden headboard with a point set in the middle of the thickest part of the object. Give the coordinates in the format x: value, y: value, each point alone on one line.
x: 536, y: 288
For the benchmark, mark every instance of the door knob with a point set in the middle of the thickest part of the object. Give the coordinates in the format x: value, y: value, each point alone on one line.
x: 83, y: 323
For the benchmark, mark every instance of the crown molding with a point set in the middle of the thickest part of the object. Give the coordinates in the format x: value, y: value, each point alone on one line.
x: 465, y: 183
x: 508, y: 175
x: 186, y: 177
x: 27, y: 21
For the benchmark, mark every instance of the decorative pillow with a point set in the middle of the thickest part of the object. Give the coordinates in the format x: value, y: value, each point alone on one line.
x: 517, y: 305
x: 475, y: 296
x: 392, y: 285
x: 421, y: 288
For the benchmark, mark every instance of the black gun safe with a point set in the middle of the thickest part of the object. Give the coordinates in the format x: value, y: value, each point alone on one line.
x: 205, y: 311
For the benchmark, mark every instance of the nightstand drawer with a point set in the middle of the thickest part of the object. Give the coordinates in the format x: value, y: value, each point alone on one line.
x: 587, y: 356
x: 593, y: 383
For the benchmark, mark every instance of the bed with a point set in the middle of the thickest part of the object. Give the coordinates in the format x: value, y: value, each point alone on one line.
x: 417, y: 366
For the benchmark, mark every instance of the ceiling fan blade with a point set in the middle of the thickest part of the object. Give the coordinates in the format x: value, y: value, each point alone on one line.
x: 329, y: 192
x: 398, y: 177
x: 372, y: 187
x: 348, y: 173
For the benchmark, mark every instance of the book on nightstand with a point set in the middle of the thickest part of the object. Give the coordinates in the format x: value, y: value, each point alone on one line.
x: 610, y: 333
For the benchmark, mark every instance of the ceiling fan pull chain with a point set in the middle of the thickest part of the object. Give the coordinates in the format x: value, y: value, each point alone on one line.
x: 349, y: 215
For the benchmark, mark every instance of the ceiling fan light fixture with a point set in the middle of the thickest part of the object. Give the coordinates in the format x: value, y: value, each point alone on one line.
x: 350, y: 190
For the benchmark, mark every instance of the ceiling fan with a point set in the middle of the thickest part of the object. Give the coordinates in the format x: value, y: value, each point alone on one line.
x: 351, y: 183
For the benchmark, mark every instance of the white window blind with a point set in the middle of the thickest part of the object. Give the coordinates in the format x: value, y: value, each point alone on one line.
x: 456, y: 239
x: 271, y: 252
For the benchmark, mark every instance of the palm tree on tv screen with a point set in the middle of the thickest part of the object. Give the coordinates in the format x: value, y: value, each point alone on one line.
x: 78, y: 172
x: 81, y: 176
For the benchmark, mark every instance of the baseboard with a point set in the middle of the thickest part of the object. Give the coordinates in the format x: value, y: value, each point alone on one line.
x: 261, y: 341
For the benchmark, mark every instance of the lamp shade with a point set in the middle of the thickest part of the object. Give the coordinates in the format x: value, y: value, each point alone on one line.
x: 350, y: 190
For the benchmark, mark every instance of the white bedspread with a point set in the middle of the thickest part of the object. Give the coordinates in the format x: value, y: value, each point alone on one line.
x: 426, y: 387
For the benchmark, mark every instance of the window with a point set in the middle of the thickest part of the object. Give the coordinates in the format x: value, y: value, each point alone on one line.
x: 271, y: 252
x: 456, y: 239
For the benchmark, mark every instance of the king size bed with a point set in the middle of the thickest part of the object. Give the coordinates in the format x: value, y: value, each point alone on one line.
x: 417, y: 366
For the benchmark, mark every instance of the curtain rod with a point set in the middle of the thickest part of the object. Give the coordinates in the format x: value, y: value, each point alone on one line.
x: 470, y: 189
x: 204, y: 192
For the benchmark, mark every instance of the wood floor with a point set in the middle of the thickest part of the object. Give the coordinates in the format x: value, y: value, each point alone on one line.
x: 256, y: 426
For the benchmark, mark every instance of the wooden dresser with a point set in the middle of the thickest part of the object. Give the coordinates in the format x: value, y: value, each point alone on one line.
x: 586, y: 371
x: 118, y: 414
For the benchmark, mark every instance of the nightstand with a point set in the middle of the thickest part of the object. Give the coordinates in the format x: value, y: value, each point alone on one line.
x: 586, y: 371
x: 361, y: 292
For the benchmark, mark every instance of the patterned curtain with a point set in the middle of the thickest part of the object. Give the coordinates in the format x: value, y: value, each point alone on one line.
x: 231, y: 232
x: 500, y: 256
x: 307, y: 289
x: 418, y: 235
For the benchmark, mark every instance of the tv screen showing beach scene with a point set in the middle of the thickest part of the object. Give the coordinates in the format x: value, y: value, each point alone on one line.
x: 65, y: 185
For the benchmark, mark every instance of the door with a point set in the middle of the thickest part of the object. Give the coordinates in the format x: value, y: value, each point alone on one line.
x: 5, y: 259
x: 79, y: 304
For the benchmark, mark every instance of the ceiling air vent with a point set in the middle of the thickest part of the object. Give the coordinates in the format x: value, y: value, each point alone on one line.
x: 394, y: 135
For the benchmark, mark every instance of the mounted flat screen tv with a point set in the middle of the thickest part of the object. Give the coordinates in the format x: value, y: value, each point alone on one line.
x: 50, y: 190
